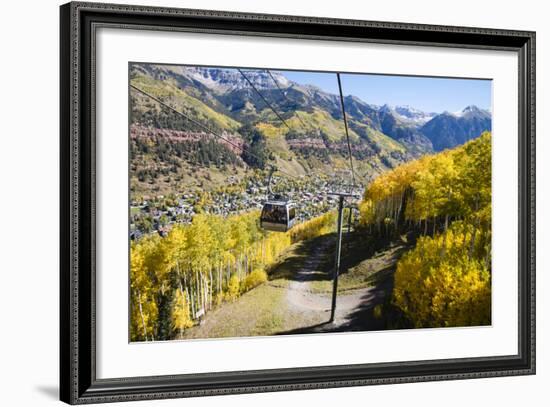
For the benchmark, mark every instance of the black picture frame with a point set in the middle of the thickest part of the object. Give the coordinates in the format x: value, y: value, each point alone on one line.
x: 78, y: 382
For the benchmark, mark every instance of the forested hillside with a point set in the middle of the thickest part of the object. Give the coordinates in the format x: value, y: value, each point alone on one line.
x: 177, y: 279
x: 444, y: 201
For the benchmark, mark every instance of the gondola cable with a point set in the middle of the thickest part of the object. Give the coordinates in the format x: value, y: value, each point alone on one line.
x: 346, y: 128
x: 263, y: 98
x: 305, y: 126
x: 300, y: 119
x: 342, y: 196
x: 285, y: 96
x: 278, y: 213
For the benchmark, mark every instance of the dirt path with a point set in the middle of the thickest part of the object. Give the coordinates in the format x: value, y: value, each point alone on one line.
x: 350, y: 303
x: 298, y: 297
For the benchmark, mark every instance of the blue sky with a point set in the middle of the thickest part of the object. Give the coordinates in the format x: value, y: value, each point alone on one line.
x: 427, y: 94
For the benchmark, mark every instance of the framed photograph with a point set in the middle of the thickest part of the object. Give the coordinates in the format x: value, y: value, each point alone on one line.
x: 255, y: 203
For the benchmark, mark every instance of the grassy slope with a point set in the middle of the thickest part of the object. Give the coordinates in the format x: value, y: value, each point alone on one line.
x: 275, y: 135
x: 310, y: 123
x: 386, y: 142
x: 180, y: 100
x: 322, y: 120
x: 261, y: 311
x: 361, y: 265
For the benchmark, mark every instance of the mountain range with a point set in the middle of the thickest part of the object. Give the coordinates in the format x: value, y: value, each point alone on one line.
x: 306, y: 129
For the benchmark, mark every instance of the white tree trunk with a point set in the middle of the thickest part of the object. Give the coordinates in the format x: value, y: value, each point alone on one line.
x: 142, y: 316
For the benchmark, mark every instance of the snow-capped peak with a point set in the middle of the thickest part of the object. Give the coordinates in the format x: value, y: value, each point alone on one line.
x: 411, y: 114
x: 471, y: 110
x: 228, y: 78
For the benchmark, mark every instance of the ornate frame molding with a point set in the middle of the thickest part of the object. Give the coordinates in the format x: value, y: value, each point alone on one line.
x: 77, y: 176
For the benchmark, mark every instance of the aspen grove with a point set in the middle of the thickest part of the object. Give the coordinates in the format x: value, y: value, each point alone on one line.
x: 445, y: 199
x: 177, y: 279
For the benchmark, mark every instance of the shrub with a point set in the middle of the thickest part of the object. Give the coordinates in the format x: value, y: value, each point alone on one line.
x: 254, y: 279
x: 233, y: 288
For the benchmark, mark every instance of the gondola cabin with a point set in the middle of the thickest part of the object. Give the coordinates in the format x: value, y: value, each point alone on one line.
x: 278, y: 215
